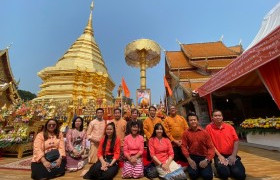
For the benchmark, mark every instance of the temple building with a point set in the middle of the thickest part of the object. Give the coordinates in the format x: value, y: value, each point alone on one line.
x: 8, y: 85
x: 188, y: 69
x: 80, y: 74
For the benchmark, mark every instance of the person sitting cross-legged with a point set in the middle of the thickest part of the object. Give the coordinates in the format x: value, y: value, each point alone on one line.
x: 48, y: 159
x: 133, y: 150
x: 75, y: 145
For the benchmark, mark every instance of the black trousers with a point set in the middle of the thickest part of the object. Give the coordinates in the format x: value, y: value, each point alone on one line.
x: 96, y: 173
x: 206, y: 173
x: 237, y: 170
x: 178, y: 155
x: 39, y: 171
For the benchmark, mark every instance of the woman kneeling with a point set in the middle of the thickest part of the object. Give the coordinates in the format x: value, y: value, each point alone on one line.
x: 162, y: 154
x: 133, y: 150
x: 108, y: 153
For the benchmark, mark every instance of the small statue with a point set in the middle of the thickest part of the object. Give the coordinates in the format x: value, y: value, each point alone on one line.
x: 132, y: 106
x: 119, y: 91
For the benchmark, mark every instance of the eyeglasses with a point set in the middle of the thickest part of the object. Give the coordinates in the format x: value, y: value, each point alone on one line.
x: 51, y: 125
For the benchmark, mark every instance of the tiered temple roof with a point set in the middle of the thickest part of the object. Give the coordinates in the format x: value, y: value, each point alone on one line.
x: 206, y: 50
x: 80, y: 73
x: 195, y: 63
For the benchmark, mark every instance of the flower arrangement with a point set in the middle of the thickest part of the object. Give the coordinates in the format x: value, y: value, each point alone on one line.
x: 13, y: 136
x: 16, y: 119
x: 261, y: 125
x: 23, y: 112
x: 64, y: 127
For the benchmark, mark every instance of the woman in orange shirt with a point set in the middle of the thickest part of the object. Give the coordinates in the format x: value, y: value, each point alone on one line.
x: 48, y: 153
x: 108, y: 153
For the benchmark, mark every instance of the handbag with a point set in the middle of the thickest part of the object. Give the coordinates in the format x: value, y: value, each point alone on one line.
x: 178, y: 174
x: 52, y: 155
x: 150, y: 171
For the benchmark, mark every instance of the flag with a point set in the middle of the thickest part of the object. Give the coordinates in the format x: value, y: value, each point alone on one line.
x: 167, y: 86
x: 125, y: 89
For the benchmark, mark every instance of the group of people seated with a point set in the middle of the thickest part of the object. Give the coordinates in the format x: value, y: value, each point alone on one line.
x: 168, y: 141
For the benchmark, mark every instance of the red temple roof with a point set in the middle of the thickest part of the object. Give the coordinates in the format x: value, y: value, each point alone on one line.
x: 206, y: 50
x: 177, y: 59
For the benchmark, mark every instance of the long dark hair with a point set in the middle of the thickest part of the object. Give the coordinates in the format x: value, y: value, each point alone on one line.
x: 74, y: 121
x: 106, y: 139
x: 156, y: 128
x: 45, y: 130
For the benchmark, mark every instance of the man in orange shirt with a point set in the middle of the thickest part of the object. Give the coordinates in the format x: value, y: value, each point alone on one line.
x: 175, y: 126
x: 95, y: 132
x: 226, y: 142
x: 120, y: 124
x: 149, y: 124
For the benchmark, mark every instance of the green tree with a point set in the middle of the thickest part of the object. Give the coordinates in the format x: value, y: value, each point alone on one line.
x: 26, y: 95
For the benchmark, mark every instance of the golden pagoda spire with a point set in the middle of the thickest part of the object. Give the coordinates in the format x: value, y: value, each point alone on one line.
x: 84, y: 52
x: 88, y: 28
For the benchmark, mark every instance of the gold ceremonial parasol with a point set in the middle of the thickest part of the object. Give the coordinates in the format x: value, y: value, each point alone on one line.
x: 143, y: 54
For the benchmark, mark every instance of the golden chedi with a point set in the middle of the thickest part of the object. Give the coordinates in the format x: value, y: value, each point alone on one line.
x: 80, y: 74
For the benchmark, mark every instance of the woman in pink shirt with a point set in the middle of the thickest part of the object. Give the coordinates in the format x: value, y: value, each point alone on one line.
x: 75, y: 145
x: 48, y: 159
x: 133, y: 150
x: 161, y: 152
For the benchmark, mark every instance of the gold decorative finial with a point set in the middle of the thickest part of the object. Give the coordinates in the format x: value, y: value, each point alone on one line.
x: 88, y: 28
x: 92, y: 5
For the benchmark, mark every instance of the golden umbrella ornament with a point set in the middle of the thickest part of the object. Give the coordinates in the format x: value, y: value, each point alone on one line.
x: 143, y: 54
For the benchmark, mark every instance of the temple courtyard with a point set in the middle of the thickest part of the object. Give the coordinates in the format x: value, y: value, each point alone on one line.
x: 260, y: 164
